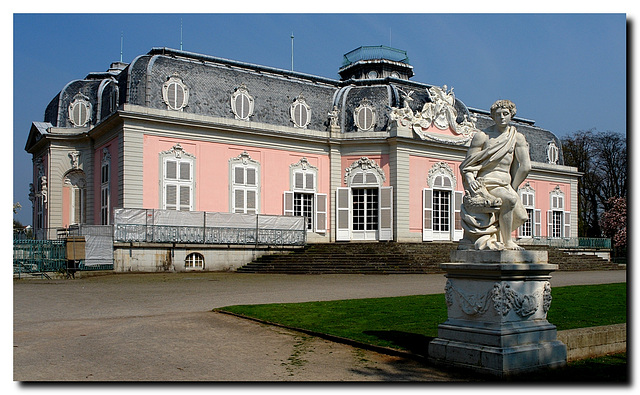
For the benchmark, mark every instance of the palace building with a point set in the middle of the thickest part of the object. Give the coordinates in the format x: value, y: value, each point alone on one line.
x: 373, y: 155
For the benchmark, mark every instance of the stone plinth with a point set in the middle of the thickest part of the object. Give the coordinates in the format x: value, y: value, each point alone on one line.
x: 497, y: 303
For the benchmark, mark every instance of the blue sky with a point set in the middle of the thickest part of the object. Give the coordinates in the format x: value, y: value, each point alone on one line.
x: 565, y: 71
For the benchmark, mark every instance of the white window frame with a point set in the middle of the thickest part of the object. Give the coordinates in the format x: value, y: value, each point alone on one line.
x: 82, y: 102
x: 194, y: 261
x: 528, y: 199
x: 105, y: 188
x: 364, y: 174
x: 300, y: 113
x: 173, y: 83
x: 180, y: 158
x: 242, y: 113
x: 442, y: 178
x: 243, y: 164
x: 369, y: 122
x: 558, y: 220
x: 303, y: 185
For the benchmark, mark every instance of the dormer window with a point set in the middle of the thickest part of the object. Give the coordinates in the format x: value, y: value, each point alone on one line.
x: 175, y: 93
x: 300, y: 112
x: 364, y: 116
x: 80, y: 110
x: 242, y: 103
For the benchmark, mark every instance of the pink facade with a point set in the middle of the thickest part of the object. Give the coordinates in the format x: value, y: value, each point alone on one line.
x: 212, y: 172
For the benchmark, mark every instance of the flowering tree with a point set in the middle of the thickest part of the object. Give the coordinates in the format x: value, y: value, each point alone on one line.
x: 614, y: 221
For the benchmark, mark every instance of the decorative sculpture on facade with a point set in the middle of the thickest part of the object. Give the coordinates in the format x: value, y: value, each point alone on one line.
x: 497, y: 162
x: 439, y: 112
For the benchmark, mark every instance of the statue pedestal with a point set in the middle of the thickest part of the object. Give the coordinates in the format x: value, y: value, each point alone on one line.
x: 497, y: 304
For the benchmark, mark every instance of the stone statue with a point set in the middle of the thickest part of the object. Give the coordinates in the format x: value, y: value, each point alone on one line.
x: 497, y: 162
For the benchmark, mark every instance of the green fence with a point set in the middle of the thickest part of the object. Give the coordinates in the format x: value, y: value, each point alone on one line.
x: 588, y: 243
x: 38, y: 256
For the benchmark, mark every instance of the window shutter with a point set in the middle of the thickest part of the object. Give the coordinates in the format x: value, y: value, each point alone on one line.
x: 298, y: 180
x: 185, y: 171
x: 252, y: 203
x: 321, y: 212
x: 458, y: 232
x: 238, y: 204
x: 171, y: 170
x: 549, y: 223
x: 251, y: 176
x: 185, y: 198
x: 309, y: 184
x: 288, y: 203
x: 386, y: 213
x: 537, y: 219
x: 567, y: 224
x: 238, y: 175
x: 171, y: 197
x: 343, y: 211
x: 427, y: 208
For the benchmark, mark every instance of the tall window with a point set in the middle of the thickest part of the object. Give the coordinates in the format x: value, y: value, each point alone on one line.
x: 558, y: 220
x: 105, y: 190
x: 441, y: 210
x: 178, y: 181
x: 302, y: 199
x: 527, y: 197
x: 76, y: 182
x: 441, y: 218
x: 245, y: 184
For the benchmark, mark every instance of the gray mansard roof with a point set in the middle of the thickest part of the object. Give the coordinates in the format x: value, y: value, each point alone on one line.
x: 212, y: 81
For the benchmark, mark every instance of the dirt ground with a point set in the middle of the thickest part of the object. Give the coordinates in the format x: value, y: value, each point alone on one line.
x: 160, y: 327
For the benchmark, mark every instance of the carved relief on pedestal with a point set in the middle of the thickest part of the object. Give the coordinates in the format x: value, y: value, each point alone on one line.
x: 502, y: 297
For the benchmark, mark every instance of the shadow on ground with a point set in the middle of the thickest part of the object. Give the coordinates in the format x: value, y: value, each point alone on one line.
x: 412, y: 342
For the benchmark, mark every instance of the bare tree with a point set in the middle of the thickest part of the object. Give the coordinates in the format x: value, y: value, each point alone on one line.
x: 602, y: 158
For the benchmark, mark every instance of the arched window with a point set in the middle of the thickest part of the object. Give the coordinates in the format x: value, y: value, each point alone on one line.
x: 441, y: 205
x: 76, y: 183
x: 194, y: 261
x: 364, y: 116
x: 300, y: 112
x: 242, y: 103
x: 552, y: 152
x: 80, y: 110
x: 175, y: 93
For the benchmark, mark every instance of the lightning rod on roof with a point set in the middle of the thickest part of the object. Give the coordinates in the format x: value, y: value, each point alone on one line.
x: 181, y: 34
x: 121, y: 38
x: 291, y: 51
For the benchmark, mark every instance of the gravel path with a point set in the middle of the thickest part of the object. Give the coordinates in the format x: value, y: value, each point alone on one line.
x: 160, y: 327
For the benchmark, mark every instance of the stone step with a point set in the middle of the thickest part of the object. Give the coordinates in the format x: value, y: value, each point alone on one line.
x: 390, y: 258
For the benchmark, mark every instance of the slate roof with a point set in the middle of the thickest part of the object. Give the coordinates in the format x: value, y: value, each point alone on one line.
x: 212, y: 80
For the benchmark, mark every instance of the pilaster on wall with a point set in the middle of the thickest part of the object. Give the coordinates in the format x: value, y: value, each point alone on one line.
x: 335, y: 163
x: 574, y: 207
x: 130, y: 188
x: 399, y: 178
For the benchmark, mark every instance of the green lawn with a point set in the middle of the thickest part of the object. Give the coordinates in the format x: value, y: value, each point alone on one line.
x: 407, y: 322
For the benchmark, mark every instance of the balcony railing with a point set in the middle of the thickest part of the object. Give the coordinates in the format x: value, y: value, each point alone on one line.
x: 208, y: 235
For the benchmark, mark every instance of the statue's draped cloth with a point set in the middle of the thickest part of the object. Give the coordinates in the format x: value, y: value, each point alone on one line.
x: 480, y: 224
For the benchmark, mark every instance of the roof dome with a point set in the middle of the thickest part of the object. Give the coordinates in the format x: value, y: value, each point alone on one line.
x: 371, y: 62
